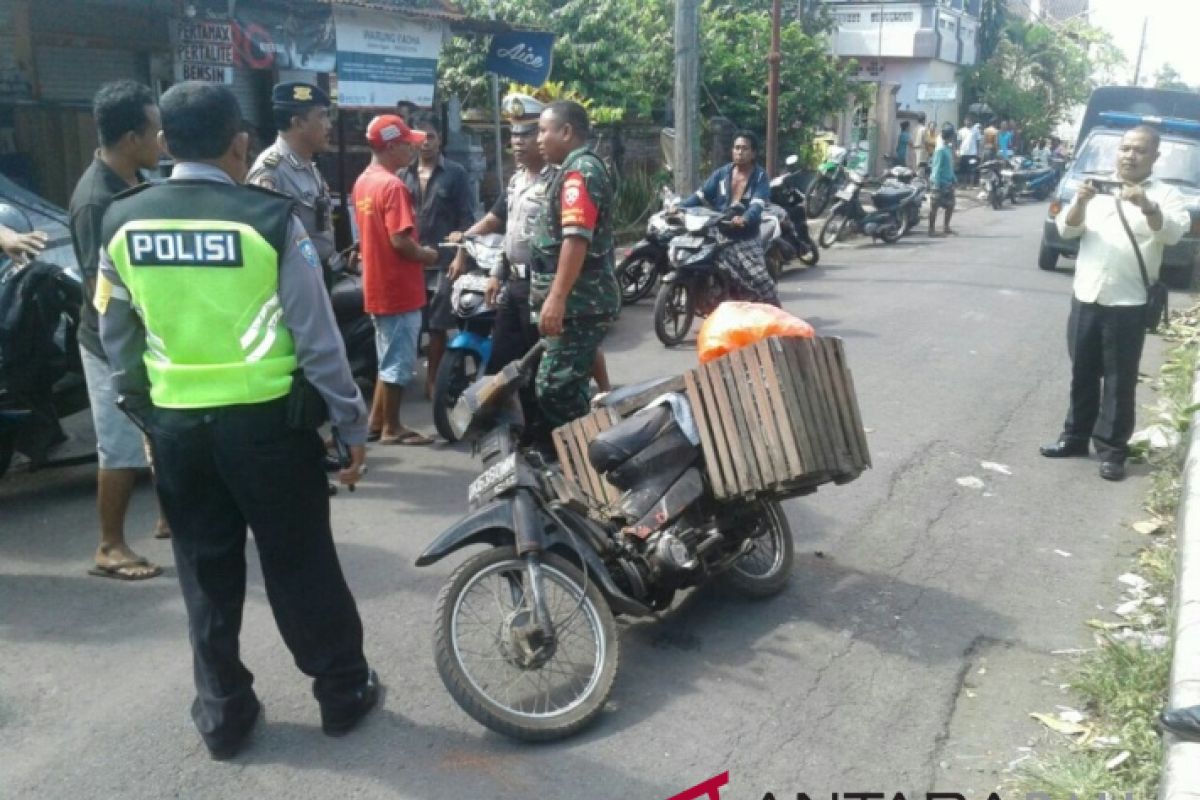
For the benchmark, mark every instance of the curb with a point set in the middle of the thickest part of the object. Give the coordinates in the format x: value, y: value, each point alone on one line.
x: 1181, y: 767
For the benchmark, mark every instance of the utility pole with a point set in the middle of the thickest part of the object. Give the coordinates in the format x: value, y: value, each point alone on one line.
x: 1137, y: 71
x: 773, y: 91
x: 496, y: 113
x: 687, y: 96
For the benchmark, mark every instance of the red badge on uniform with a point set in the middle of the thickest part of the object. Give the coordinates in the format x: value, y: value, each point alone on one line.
x: 578, y: 210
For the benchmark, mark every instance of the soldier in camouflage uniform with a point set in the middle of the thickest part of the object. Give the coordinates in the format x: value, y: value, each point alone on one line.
x: 574, y: 296
x: 301, y: 112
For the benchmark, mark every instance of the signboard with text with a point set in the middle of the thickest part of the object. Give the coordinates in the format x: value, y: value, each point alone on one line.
x: 295, y: 36
x: 203, y: 50
x: 383, y: 58
x: 937, y: 92
x: 524, y: 56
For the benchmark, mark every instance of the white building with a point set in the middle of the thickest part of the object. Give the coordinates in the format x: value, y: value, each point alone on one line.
x: 1053, y: 10
x: 912, y: 51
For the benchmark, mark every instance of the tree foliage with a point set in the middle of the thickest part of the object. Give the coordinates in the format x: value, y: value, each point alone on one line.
x: 1036, y: 74
x: 1168, y: 77
x: 620, y: 54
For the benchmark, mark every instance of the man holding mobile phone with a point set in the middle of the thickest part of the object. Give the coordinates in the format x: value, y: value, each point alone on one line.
x: 1107, y: 325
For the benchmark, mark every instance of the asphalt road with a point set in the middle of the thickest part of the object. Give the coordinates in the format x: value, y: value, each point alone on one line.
x: 912, y: 642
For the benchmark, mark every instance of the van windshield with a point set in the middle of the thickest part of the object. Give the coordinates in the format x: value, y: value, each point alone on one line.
x: 1178, y: 161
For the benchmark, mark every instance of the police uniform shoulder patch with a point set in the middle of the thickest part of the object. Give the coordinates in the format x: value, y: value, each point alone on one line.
x: 272, y: 158
x: 309, y: 251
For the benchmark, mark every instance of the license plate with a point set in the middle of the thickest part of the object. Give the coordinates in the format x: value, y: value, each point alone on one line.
x: 688, y: 242
x: 846, y: 193
x: 497, y: 478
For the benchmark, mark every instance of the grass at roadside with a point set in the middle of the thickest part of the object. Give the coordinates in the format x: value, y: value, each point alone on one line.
x: 1122, y: 684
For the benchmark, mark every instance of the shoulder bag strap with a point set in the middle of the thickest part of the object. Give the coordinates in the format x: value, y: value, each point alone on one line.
x: 1136, y: 249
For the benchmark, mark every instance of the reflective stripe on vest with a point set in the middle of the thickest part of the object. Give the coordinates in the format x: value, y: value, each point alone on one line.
x: 207, y: 294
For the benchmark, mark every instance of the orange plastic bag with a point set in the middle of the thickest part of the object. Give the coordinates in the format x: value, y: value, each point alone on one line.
x: 736, y: 324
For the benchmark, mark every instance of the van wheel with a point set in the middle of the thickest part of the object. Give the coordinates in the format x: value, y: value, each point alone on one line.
x: 1047, y: 257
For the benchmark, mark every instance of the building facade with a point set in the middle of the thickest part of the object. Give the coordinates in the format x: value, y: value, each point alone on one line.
x: 912, y: 51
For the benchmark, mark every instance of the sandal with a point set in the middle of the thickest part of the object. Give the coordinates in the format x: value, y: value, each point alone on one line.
x: 137, y: 569
x: 408, y: 438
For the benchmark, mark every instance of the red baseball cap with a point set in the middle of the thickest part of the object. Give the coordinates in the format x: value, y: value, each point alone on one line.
x: 388, y: 128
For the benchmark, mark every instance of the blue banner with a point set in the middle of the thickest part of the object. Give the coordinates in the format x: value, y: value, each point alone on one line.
x: 524, y: 56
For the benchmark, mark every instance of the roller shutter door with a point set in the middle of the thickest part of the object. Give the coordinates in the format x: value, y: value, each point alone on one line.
x: 73, y: 74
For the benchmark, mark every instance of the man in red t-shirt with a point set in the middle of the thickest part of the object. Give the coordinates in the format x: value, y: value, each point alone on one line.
x: 393, y: 265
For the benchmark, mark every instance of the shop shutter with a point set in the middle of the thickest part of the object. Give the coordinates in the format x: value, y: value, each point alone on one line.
x: 73, y: 74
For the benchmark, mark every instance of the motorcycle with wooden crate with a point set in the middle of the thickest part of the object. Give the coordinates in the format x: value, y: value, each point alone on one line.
x: 664, y: 486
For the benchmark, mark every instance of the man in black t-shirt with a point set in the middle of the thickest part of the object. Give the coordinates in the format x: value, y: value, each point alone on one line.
x: 128, y: 124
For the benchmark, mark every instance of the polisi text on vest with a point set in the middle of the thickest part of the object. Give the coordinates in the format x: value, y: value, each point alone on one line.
x: 184, y: 248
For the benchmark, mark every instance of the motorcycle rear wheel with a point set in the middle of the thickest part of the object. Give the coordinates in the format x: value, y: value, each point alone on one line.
x: 673, y: 313
x: 833, y: 229
x: 454, y: 375
x: 774, y: 259
x: 636, y: 276
x: 492, y: 585
x: 764, y: 570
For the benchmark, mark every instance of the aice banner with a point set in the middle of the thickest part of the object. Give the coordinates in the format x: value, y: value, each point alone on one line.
x: 524, y: 56
x: 383, y: 58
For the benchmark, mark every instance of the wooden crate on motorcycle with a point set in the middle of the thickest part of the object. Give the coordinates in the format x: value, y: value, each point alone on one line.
x: 779, y: 417
x: 571, y: 443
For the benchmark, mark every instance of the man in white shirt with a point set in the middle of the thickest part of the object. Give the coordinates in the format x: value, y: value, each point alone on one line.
x: 1107, y: 325
x: 968, y: 148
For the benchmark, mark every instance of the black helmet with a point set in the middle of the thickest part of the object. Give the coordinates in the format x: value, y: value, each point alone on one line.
x: 14, y: 218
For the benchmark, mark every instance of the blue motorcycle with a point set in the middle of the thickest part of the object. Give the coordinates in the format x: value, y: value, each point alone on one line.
x: 468, y: 352
x: 1029, y: 179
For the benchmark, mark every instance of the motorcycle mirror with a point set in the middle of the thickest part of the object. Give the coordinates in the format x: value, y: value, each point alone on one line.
x: 792, y: 160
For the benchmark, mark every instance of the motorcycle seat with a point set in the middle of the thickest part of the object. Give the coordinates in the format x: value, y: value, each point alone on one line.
x: 613, y: 447
x: 890, y: 196
x: 347, y: 298
x: 618, y: 395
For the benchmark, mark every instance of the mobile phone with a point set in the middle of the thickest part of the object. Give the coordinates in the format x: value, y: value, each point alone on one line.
x: 1106, y: 187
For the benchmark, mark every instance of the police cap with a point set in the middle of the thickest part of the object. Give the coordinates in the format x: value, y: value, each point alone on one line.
x: 522, y: 112
x: 297, y: 94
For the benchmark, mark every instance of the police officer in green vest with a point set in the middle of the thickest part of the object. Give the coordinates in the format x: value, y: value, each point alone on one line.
x: 211, y: 304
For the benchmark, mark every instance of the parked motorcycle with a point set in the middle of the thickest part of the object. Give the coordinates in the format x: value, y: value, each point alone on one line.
x: 696, y: 284
x: 786, y: 193
x: 897, y: 209
x: 995, y: 178
x: 1031, y: 180
x: 525, y: 638
x: 357, y: 330
x: 641, y: 265
x: 467, y: 353
x: 41, y: 374
x: 830, y: 178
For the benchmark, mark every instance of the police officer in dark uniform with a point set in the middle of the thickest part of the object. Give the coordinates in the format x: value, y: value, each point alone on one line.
x: 301, y: 112
x: 211, y: 305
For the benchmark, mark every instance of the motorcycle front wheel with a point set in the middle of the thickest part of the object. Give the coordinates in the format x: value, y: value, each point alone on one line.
x: 673, y: 313
x: 833, y: 229
x: 484, y: 659
x: 817, y: 196
x: 635, y: 275
x: 764, y: 569
x: 458, y: 370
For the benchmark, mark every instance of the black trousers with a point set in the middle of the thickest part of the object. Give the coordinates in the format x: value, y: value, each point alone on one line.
x: 1105, y: 343
x: 219, y: 471
x: 513, y: 332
